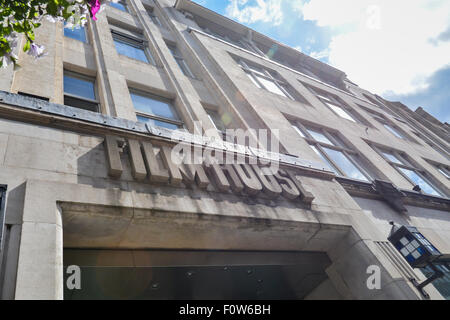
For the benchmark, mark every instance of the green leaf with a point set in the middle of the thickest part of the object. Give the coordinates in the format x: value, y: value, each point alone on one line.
x: 27, y: 45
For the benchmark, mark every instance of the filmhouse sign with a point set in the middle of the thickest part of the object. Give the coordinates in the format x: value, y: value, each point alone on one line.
x: 228, y: 171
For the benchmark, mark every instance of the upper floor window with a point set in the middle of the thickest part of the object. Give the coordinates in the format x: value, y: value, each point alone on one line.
x: 416, y: 176
x: 156, y: 110
x: 131, y: 47
x: 216, y: 120
x: 443, y: 169
x: 394, y: 131
x: 388, y: 125
x: 78, y: 33
x: 180, y: 60
x: 335, y: 104
x: 119, y: 4
x: 332, y: 150
x: 80, y: 92
x: 265, y: 79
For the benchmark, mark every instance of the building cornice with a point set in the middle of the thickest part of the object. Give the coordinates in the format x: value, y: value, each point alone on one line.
x: 197, y: 9
x: 398, y: 199
x: 31, y: 110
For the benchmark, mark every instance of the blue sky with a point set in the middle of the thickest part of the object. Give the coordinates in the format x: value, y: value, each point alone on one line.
x: 399, y: 49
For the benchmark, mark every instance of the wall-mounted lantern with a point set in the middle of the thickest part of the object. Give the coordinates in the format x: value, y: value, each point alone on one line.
x: 413, y: 246
x: 418, y: 251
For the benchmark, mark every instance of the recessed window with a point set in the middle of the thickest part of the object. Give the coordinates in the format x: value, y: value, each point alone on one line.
x: 445, y: 172
x: 120, y: 4
x: 391, y: 157
x: 416, y: 176
x: 387, y: 124
x: 443, y: 169
x: 332, y: 150
x: 78, y: 33
x: 216, y: 120
x: 79, y: 92
x: 220, y: 123
x: 180, y: 60
x: 393, y: 131
x: 131, y: 47
x: 334, y: 103
x: 340, y: 111
x: 267, y: 80
x: 155, y: 110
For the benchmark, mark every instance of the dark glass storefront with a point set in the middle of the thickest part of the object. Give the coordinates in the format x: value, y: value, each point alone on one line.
x: 186, y: 275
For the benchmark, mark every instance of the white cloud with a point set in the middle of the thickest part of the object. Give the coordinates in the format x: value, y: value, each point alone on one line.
x: 246, y: 11
x: 319, y: 55
x: 383, y: 44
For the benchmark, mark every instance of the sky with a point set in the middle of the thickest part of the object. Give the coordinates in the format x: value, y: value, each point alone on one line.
x: 399, y: 49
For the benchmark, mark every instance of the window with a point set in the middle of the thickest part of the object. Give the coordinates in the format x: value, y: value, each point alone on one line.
x: 334, y: 103
x: 414, y: 175
x: 443, y: 169
x: 78, y: 33
x: 333, y: 152
x: 157, y: 111
x: 220, y: 123
x: 215, y: 118
x: 79, y: 92
x: 393, y: 131
x: 180, y: 61
x: 441, y: 284
x: 388, y: 125
x: 131, y: 47
x: 154, y: 17
x: 340, y: 111
x: 265, y: 79
x: 120, y: 4
x: 2, y: 213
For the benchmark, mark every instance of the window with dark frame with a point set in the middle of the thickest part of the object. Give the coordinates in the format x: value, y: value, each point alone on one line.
x: 332, y: 150
x: 414, y: 175
x: 180, y: 60
x: 156, y: 110
x: 132, y: 47
x: 80, y: 92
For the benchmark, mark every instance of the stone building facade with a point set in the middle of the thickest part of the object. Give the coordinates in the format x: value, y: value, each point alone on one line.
x: 86, y: 137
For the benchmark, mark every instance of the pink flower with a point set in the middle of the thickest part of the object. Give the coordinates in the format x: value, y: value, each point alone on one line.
x: 94, y: 8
